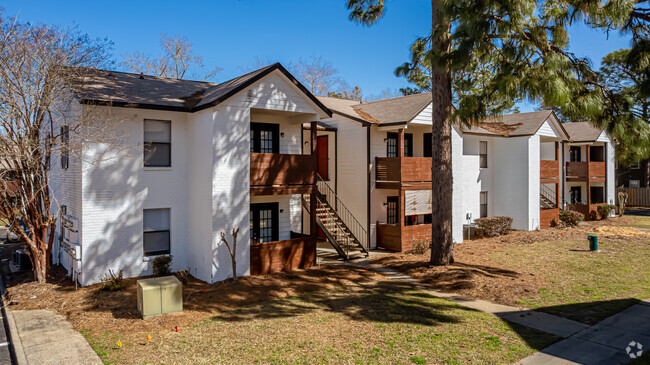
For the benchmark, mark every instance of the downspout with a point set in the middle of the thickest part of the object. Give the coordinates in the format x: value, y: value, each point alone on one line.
x: 368, y: 181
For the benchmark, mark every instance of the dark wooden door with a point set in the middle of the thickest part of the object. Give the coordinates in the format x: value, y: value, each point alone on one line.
x: 323, y: 157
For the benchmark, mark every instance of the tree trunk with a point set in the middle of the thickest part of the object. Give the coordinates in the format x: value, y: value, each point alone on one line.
x: 441, y: 184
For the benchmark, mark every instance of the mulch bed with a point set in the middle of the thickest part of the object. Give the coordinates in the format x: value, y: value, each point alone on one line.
x: 96, y: 310
x: 473, y: 274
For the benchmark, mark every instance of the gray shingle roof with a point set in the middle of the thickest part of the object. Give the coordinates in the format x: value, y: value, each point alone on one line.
x: 582, y: 131
x: 395, y: 110
x: 143, y: 91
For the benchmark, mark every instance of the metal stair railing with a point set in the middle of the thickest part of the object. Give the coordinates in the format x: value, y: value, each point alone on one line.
x: 357, y: 229
x: 334, y: 236
x: 548, y: 194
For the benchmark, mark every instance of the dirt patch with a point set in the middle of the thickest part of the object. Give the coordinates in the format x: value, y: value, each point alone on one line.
x: 90, y: 308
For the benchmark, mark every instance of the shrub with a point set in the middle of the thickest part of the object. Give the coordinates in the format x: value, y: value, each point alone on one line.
x: 419, y: 247
x: 183, y: 276
x: 493, y: 226
x: 570, y: 218
x: 605, y: 209
x: 162, y: 265
x: 113, y: 282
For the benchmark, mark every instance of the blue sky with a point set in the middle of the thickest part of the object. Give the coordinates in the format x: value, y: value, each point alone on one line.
x: 231, y: 33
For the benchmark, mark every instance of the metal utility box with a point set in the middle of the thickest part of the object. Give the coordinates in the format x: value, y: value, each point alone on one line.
x: 158, y: 296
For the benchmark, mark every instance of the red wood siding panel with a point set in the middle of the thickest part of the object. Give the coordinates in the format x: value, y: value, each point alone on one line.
x: 549, y: 169
x: 577, y: 169
x: 597, y: 169
x: 271, y: 257
x: 387, y: 168
x: 388, y: 237
x: 416, y: 168
x: 414, y: 233
x: 279, y: 169
x: 549, y: 217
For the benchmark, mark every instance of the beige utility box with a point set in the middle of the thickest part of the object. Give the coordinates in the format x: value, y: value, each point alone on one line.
x: 158, y: 296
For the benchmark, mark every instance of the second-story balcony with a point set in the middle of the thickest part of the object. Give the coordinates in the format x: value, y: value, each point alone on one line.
x: 395, y: 172
x: 582, y: 171
x: 275, y: 173
x: 549, y: 170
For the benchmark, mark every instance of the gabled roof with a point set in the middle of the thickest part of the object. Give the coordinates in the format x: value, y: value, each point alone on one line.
x: 396, y: 110
x: 125, y: 89
x: 582, y: 132
x: 515, y: 125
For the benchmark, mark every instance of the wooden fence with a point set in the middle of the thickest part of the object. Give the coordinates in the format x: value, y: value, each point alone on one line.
x: 637, y: 197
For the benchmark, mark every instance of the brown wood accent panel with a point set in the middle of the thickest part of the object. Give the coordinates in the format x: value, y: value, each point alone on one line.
x: 388, y: 236
x: 597, y: 169
x: 577, y: 170
x: 277, y: 256
x: 549, y: 217
x: 283, y: 190
x: 589, y: 211
x: 414, y: 233
x: 388, y: 185
x: 549, y: 169
x: 387, y: 169
x: 281, y: 169
x: 416, y: 168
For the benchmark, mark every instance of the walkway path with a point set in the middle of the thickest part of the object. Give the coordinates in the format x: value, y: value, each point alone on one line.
x: 43, y: 337
x: 603, y: 343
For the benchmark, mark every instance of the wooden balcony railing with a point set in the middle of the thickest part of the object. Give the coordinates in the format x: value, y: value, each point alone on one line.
x: 597, y: 169
x: 584, y: 170
x: 412, y: 169
x: 273, y: 169
x: 549, y: 169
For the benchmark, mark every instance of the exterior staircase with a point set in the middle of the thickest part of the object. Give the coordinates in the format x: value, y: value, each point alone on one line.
x: 343, y: 231
x: 547, y: 198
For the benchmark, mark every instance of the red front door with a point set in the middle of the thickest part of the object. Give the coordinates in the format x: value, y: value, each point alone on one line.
x: 323, y: 159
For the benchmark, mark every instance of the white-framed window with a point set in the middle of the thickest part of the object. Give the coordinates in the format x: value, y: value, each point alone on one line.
x: 635, y: 166
x: 156, y: 232
x: 483, y: 154
x: 635, y: 183
x: 484, y: 204
x: 157, y: 143
x: 65, y: 147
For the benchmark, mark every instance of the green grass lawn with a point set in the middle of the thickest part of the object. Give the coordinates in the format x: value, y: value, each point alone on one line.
x: 386, y: 322
x: 582, y: 285
x: 641, y: 222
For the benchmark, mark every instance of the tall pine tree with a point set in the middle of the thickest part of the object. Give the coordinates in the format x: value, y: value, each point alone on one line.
x: 525, y: 44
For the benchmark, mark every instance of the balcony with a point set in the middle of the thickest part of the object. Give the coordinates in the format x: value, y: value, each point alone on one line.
x: 278, y: 174
x: 412, y: 171
x: 582, y: 171
x: 395, y: 237
x: 549, y: 171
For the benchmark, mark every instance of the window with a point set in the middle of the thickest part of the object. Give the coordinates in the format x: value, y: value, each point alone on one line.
x: 156, y: 232
x: 65, y: 146
x: 635, y: 183
x: 483, y: 154
x: 392, y: 209
x: 264, y: 222
x: 157, y: 143
x: 484, y: 204
x: 635, y: 166
x: 265, y: 138
x: 574, y: 154
x: 392, y: 144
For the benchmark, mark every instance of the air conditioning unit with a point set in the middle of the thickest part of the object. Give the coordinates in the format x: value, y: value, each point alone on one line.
x: 158, y: 296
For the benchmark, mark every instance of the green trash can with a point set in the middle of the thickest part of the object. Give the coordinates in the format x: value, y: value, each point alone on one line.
x: 593, y: 242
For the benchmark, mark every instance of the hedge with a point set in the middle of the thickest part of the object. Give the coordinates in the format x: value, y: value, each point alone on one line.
x: 493, y: 226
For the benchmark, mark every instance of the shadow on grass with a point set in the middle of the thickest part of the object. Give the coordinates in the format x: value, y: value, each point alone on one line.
x: 590, y: 312
x: 385, y: 302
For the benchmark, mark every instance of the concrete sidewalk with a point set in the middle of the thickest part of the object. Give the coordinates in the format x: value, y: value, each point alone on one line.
x: 43, y: 337
x: 604, y: 343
